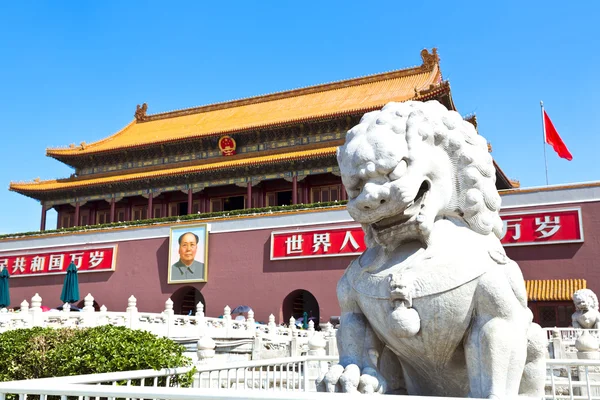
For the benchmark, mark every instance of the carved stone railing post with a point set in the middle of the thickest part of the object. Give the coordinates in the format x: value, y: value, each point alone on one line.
x: 132, y: 312
x: 251, y: 323
x: 272, y: 327
x: 311, y: 328
x: 331, y: 348
x: 293, y: 337
x: 206, y: 349
x: 25, y: 314
x: 200, y: 321
x: 36, y: 311
x: 258, y: 345
x: 315, y: 369
x: 88, y: 313
x: 169, y: 314
x: 102, y: 316
x: 227, y: 320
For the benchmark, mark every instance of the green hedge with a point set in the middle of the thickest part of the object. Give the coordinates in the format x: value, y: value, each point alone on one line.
x: 191, y: 217
x: 47, y: 352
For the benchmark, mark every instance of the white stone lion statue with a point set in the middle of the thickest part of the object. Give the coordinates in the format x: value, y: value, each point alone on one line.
x: 434, y: 306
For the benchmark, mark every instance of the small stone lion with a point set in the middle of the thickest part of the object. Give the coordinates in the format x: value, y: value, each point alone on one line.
x: 433, y: 307
x: 587, y: 315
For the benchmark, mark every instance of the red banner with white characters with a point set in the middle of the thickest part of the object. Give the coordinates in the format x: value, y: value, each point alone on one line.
x: 56, y: 262
x: 330, y: 242
x: 520, y: 229
x: 554, y: 226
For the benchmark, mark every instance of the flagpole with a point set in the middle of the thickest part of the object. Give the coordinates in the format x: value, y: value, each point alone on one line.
x: 544, y: 137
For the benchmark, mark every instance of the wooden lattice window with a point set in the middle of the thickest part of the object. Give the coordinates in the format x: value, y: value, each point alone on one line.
x: 324, y: 194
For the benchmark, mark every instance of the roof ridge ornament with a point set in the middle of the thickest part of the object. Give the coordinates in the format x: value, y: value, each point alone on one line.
x: 140, y: 112
x: 429, y: 60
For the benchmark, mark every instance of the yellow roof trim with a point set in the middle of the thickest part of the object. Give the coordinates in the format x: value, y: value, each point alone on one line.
x: 300, y: 105
x: 71, y: 183
x: 553, y: 289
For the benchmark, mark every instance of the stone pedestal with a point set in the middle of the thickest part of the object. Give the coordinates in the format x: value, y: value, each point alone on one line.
x: 587, y: 347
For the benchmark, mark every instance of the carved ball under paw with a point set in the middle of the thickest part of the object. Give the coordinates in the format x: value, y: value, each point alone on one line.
x: 405, y: 322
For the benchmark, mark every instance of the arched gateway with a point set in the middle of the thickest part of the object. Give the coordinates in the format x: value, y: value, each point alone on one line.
x: 299, y: 302
x: 185, y: 300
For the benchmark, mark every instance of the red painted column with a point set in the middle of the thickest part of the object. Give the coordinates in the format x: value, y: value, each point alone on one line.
x: 43, y: 222
x: 112, y: 210
x: 93, y: 214
x: 295, y: 190
x: 306, y: 193
x: 249, y: 195
x: 343, y: 194
x: 76, y: 222
x: 149, y: 214
x: 261, y: 197
x: 190, y: 200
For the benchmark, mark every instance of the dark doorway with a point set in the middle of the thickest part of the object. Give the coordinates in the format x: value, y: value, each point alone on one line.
x: 284, y: 198
x: 233, y: 203
x: 297, y: 303
x: 183, y: 208
x: 186, y: 299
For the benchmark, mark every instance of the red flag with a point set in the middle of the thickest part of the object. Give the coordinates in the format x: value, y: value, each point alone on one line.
x: 554, y: 140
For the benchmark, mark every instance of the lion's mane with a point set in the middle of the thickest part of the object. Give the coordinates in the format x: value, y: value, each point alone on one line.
x: 475, y: 196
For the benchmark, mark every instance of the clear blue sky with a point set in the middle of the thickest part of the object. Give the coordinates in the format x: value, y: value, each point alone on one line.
x: 74, y: 71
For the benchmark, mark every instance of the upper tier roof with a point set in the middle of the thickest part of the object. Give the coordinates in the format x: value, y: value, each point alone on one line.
x: 32, y: 189
x: 272, y: 110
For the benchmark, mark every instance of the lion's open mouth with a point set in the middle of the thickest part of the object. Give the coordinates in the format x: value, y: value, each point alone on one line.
x: 409, y: 211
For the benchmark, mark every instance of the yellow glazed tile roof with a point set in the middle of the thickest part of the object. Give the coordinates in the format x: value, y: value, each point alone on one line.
x: 71, y: 183
x: 553, y: 289
x: 295, y: 106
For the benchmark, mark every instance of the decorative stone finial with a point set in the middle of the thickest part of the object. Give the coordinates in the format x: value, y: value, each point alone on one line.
x: 132, y: 303
x: 140, y: 112
x: 206, y: 348
x: 103, y: 308
x: 36, y: 301
x: 317, y: 342
x: 271, y: 319
x: 250, y: 319
x: 24, y: 306
x: 430, y: 59
x: 66, y: 308
x: 199, y: 308
x: 227, y: 312
x: 88, y: 303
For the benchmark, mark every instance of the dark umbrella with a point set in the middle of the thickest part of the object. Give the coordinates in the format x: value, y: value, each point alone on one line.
x: 70, y: 290
x: 4, y: 294
x: 241, y: 309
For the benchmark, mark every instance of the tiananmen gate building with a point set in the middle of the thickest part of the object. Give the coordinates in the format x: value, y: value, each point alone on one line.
x: 254, y: 186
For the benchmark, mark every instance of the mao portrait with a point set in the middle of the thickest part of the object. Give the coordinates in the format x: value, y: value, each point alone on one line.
x: 188, y: 254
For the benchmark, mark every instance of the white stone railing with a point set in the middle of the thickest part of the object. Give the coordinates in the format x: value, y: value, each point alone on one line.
x: 561, y: 341
x: 287, y: 378
x: 166, y: 323
x: 268, y: 340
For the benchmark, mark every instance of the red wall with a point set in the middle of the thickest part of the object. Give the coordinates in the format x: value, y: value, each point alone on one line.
x: 239, y: 272
x: 569, y: 260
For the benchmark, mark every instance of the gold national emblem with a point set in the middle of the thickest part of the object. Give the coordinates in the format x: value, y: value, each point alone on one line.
x: 227, y: 145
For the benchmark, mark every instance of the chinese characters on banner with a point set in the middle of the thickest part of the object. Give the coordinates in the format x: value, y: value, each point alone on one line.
x: 56, y: 262
x: 338, y: 241
x: 542, y: 227
x: 520, y: 228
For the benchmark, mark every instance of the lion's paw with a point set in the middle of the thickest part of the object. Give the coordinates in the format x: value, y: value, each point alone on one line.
x: 350, y: 380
